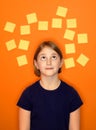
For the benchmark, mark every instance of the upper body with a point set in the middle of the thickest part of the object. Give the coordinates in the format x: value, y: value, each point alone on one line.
x: 50, y: 109
x: 49, y: 104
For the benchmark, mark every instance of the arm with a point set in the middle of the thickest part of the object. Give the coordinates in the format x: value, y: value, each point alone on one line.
x: 74, y: 122
x: 24, y: 119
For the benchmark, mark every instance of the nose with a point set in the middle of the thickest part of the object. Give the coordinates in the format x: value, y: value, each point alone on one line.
x: 48, y: 62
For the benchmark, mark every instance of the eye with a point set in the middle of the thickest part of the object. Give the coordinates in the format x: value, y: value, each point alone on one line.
x: 54, y: 57
x: 43, y: 58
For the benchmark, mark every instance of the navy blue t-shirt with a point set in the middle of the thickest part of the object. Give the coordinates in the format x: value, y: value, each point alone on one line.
x: 50, y: 109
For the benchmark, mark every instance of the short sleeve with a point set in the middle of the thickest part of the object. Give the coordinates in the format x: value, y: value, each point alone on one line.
x: 24, y: 100
x: 76, y: 101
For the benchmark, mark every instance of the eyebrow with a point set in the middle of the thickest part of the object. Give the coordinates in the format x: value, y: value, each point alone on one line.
x: 51, y: 54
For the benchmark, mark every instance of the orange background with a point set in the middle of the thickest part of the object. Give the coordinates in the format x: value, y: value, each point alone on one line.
x: 13, y: 79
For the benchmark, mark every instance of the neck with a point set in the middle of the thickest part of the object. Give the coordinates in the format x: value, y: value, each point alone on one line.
x: 50, y: 83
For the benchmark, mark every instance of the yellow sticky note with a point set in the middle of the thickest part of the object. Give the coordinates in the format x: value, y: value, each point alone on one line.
x: 10, y: 45
x: 56, y: 23
x: 43, y: 25
x: 82, y: 60
x: 71, y: 23
x: 23, y: 44
x: 9, y: 27
x: 31, y: 18
x: 69, y: 34
x: 82, y: 38
x: 22, y: 60
x: 70, y: 48
x: 61, y: 11
x: 25, y: 30
x: 69, y: 63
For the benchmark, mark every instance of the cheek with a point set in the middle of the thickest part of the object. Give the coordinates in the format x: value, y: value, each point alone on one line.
x: 57, y: 64
x: 40, y: 65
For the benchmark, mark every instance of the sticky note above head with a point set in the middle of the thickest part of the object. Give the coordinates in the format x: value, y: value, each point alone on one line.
x: 70, y: 48
x: 9, y: 27
x: 69, y: 34
x: 25, y: 30
x: 71, y: 23
x: 23, y: 45
x: 11, y: 45
x: 43, y: 25
x: 31, y: 18
x: 22, y: 60
x: 56, y: 23
x: 82, y: 60
x: 82, y: 38
x: 61, y: 11
x: 69, y: 63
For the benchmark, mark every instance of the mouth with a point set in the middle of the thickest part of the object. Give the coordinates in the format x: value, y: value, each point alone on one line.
x: 48, y: 68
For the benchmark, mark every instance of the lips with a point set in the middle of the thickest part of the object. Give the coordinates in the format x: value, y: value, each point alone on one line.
x: 48, y: 68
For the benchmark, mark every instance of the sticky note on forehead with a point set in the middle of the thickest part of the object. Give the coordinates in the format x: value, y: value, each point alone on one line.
x: 9, y: 27
x: 31, y: 18
x: 43, y: 25
x: 11, y: 45
x: 71, y: 23
x: 70, y: 48
x: 22, y: 60
x: 82, y: 38
x: 69, y: 63
x: 69, y: 34
x: 82, y: 60
x: 61, y: 11
x: 23, y: 45
x: 56, y: 23
x: 25, y: 30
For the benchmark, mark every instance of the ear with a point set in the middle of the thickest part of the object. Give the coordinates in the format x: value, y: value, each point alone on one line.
x: 36, y: 64
x: 62, y: 62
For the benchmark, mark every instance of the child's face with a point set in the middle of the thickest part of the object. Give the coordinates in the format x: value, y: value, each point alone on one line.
x: 48, y: 62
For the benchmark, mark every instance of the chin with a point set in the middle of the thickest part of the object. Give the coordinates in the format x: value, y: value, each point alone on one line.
x: 50, y: 74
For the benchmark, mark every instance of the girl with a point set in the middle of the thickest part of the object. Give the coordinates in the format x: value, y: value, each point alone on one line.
x: 49, y: 103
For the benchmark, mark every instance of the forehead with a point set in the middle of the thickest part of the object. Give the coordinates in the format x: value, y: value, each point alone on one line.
x: 47, y: 50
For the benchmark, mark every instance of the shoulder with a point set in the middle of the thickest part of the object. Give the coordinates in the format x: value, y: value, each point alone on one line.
x: 72, y: 96
x: 27, y: 96
x: 32, y: 86
x: 31, y: 89
x: 67, y: 87
x: 69, y: 90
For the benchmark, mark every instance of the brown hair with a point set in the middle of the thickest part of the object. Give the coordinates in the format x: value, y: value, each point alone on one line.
x: 41, y: 46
